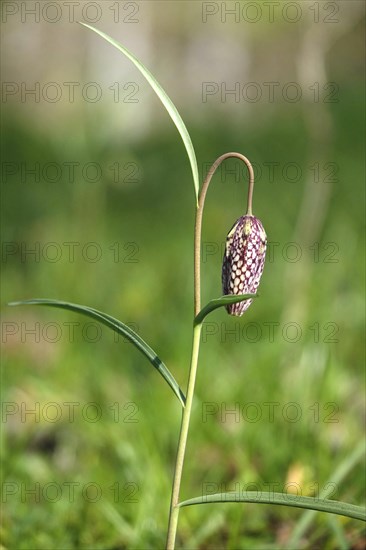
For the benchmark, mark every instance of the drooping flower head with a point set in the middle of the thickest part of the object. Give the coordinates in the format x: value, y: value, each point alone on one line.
x: 243, y: 260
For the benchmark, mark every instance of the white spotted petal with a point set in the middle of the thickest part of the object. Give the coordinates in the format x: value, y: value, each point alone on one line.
x: 243, y: 261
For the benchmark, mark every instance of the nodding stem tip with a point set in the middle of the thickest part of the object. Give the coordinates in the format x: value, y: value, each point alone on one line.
x: 199, y: 213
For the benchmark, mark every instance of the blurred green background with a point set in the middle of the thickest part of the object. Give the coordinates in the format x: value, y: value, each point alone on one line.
x: 96, y: 182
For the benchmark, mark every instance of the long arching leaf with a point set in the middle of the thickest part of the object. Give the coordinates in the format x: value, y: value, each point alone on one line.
x: 283, y: 499
x: 220, y: 302
x: 164, y: 98
x: 118, y: 327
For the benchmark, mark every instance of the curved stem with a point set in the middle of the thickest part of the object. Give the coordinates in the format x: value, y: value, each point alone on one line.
x: 174, y: 504
x: 199, y: 213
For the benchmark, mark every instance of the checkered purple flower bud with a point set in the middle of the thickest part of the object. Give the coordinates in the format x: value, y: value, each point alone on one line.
x: 243, y: 261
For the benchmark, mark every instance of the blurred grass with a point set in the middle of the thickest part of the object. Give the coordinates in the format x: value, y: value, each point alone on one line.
x: 156, y: 213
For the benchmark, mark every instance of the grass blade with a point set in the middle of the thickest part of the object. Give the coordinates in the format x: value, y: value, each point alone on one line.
x: 220, y: 302
x: 118, y: 327
x: 164, y: 98
x: 283, y: 499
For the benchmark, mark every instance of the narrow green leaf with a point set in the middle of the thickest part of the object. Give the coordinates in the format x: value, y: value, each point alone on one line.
x: 120, y: 328
x: 283, y: 499
x: 164, y: 98
x: 220, y: 302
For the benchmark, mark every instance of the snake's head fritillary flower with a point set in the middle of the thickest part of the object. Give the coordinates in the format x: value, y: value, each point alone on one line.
x: 243, y: 261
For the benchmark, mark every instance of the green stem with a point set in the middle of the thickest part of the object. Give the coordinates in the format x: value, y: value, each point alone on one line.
x: 174, y: 508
